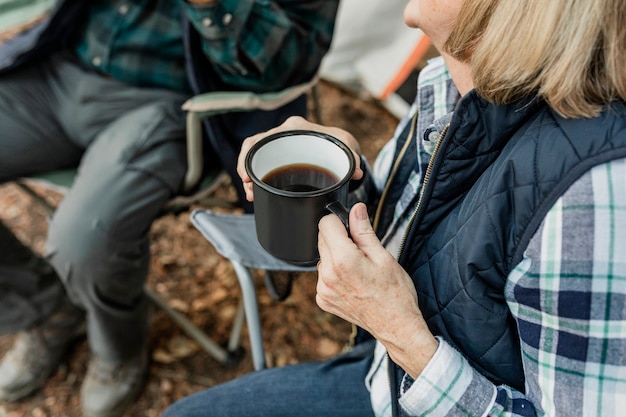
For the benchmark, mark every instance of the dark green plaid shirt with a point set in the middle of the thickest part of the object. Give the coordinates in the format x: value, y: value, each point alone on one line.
x: 253, y: 43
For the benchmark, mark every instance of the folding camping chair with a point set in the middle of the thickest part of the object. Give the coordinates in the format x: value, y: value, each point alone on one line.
x: 198, y: 108
x: 234, y: 237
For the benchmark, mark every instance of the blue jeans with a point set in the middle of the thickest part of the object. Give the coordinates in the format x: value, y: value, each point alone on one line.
x: 332, y: 388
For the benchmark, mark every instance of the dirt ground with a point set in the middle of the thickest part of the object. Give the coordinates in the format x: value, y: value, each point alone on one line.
x: 199, y: 283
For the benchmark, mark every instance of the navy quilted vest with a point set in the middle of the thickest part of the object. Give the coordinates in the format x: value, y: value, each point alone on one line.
x: 498, y: 171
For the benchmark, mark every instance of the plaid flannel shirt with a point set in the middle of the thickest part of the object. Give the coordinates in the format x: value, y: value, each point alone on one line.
x: 568, y: 296
x: 140, y: 42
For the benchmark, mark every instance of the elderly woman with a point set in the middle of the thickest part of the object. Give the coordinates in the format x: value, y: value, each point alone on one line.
x: 492, y: 279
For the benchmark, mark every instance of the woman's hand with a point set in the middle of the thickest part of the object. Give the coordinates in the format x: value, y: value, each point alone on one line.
x: 295, y: 123
x: 359, y: 281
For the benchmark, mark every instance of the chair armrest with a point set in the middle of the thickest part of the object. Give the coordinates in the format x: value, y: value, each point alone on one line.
x: 213, y: 103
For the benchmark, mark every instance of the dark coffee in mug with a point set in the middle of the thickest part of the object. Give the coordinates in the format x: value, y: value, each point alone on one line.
x: 300, y: 178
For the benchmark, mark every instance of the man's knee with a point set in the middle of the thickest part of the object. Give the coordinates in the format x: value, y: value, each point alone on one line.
x: 93, y: 265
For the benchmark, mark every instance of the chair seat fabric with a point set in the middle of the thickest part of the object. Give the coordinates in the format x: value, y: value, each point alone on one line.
x: 234, y: 237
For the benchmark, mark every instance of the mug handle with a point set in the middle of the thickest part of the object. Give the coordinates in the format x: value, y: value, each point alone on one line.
x: 340, y: 211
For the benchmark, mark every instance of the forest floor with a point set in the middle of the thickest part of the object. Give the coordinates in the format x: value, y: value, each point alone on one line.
x: 199, y: 283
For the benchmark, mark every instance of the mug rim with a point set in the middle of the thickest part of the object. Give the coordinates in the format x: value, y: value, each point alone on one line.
x: 285, y: 193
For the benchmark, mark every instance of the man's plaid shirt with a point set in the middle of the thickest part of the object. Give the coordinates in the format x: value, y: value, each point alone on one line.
x: 251, y: 44
x: 568, y: 296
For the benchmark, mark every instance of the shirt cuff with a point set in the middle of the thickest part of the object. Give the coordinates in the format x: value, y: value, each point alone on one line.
x: 448, y: 386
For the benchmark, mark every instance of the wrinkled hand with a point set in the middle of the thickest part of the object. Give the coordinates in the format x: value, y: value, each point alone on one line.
x: 359, y: 281
x: 295, y: 123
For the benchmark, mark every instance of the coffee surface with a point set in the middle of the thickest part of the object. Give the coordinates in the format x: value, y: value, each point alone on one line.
x: 300, y: 178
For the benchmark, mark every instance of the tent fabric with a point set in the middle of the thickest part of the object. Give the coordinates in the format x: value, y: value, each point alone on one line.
x: 373, y: 50
x: 18, y: 15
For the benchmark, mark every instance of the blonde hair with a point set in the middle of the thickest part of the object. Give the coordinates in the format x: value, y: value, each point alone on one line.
x: 571, y: 53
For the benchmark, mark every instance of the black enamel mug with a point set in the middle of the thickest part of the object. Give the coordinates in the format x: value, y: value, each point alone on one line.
x: 298, y: 177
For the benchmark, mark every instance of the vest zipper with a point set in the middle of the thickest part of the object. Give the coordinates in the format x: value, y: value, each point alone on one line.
x: 427, y: 175
x: 393, y: 383
x: 394, y: 172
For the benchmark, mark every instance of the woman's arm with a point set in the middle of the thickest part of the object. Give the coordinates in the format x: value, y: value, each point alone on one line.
x: 568, y: 296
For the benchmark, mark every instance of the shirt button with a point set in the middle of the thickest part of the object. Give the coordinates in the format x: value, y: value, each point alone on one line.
x: 206, y: 22
x: 433, y: 136
x: 97, y: 61
x: 227, y: 19
x: 123, y: 9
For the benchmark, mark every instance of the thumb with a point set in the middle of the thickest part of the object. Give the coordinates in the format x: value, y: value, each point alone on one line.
x: 361, y: 229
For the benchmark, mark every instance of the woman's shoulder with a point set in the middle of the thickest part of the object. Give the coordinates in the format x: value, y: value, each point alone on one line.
x: 585, y: 216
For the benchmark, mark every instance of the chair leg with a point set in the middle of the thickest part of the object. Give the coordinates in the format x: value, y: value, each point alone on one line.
x: 279, y: 283
x: 234, y: 342
x: 252, y: 314
x: 317, y: 109
x: 227, y: 357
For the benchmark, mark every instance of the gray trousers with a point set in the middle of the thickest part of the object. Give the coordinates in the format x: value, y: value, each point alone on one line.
x: 129, y: 146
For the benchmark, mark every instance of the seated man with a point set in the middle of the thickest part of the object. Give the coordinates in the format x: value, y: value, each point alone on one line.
x: 99, y: 85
